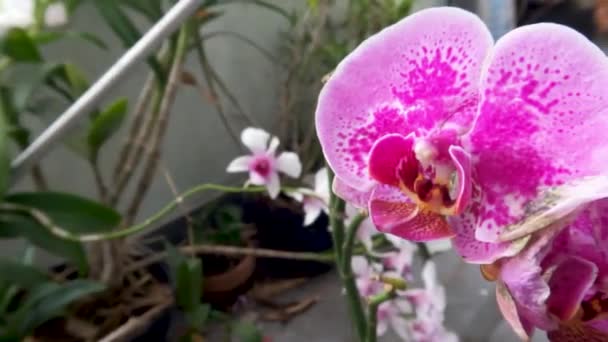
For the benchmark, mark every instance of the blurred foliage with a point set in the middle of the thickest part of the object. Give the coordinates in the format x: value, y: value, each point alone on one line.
x: 318, y: 39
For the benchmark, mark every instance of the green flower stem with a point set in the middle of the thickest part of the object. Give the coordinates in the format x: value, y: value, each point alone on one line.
x: 349, y: 241
x: 374, y: 303
x: 343, y: 254
x: 43, y: 219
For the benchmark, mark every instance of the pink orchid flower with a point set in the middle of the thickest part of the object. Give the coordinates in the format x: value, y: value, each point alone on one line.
x: 429, y: 304
x: 392, y: 314
x: 366, y: 276
x: 559, y: 282
x: 263, y: 165
x: 314, y: 201
x: 446, y: 134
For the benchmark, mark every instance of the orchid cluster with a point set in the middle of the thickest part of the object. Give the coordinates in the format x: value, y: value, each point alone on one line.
x: 441, y: 133
x: 21, y: 14
x: 413, y: 314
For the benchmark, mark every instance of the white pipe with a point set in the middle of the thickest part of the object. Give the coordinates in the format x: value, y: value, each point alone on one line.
x: 168, y: 24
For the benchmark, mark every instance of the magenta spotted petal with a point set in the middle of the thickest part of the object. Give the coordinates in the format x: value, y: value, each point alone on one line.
x: 542, y: 122
x: 393, y: 213
x: 413, y: 77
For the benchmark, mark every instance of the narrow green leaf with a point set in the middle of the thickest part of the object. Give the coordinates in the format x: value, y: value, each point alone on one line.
x: 76, y: 78
x: 17, y: 273
x: 124, y: 28
x: 152, y: 9
x: 53, y: 301
x: 118, y: 21
x: 105, y: 125
x: 19, y: 46
x: 70, y: 212
x: 17, y: 225
x: 188, y: 284
x: 46, y: 37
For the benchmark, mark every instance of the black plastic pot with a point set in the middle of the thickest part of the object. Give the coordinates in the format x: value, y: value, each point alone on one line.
x: 279, y: 226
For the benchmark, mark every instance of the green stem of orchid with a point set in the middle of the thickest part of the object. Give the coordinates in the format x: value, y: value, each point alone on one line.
x: 374, y: 304
x: 350, y: 237
x: 343, y: 258
x: 140, y: 226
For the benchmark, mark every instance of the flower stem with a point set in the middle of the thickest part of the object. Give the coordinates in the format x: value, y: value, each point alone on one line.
x: 372, y: 320
x: 56, y: 230
x: 343, y: 254
x: 349, y: 241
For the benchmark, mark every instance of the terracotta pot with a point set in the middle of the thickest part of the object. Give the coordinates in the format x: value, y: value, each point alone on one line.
x: 232, y: 278
x: 222, y: 290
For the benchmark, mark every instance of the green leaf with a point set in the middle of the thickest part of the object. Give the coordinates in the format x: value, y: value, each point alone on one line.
x: 75, y: 214
x: 188, y: 284
x: 124, y: 28
x: 246, y: 332
x: 46, y: 37
x: 152, y: 9
x: 118, y: 21
x: 187, y: 275
x: 19, y: 46
x: 51, y: 300
x: 17, y: 273
x: 12, y: 225
x: 105, y: 125
x: 76, y: 79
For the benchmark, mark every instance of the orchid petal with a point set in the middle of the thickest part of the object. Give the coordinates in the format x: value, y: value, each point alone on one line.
x: 298, y: 194
x: 462, y: 161
x: 257, y: 179
x: 412, y: 76
x: 470, y: 248
x: 274, y: 185
x: 387, y: 154
x: 239, y: 164
x: 274, y: 144
x: 321, y: 184
x: 392, y: 212
x: 312, y: 210
x: 357, y: 198
x: 289, y: 163
x: 255, y: 139
x: 586, y: 237
x: 523, y: 276
x: 569, y: 283
x: 508, y: 308
x: 359, y: 265
x: 541, y: 123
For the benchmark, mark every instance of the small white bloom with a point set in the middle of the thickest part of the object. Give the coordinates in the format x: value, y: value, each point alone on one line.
x: 262, y: 164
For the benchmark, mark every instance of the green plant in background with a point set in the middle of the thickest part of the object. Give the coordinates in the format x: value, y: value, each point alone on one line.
x: 318, y: 39
x: 32, y: 86
x: 187, y: 277
x: 221, y: 224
